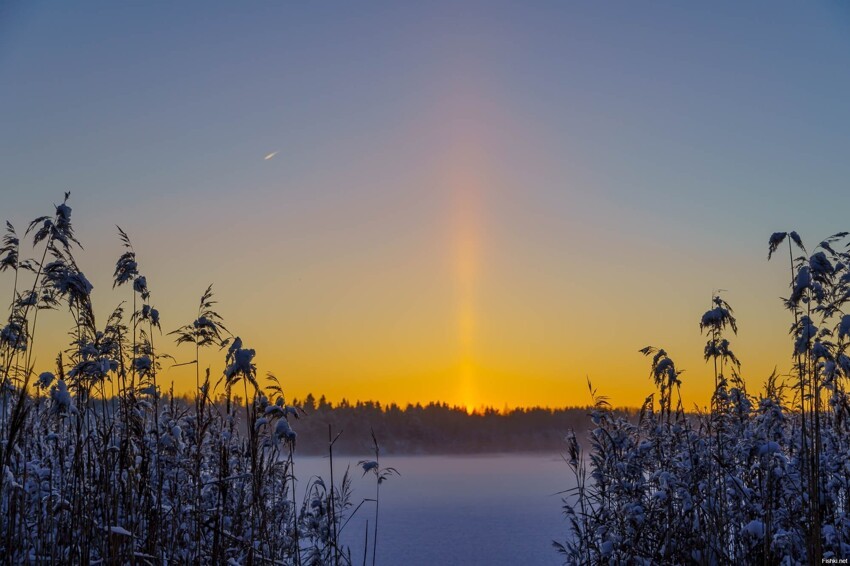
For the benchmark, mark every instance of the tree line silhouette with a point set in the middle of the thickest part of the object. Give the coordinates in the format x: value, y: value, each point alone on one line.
x: 436, y: 428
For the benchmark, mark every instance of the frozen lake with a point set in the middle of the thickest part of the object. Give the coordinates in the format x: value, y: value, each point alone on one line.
x: 494, y: 509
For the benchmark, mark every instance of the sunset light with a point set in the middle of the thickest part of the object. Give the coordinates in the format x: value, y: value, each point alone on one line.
x: 444, y: 282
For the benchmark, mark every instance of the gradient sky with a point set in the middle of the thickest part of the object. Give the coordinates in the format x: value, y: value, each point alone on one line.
x: 477, y: 202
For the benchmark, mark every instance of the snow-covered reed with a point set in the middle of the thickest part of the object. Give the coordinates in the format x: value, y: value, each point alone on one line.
x: 100, y: 465
x: 761, y: 478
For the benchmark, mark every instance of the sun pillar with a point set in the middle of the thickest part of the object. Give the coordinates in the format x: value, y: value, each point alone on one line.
x: 466, y: 189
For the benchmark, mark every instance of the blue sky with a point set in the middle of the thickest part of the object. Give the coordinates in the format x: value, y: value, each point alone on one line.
x: 598, y: 168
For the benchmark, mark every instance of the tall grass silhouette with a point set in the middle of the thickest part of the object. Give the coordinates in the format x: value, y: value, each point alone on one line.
x: 100, y: 465
x: 761, y: 478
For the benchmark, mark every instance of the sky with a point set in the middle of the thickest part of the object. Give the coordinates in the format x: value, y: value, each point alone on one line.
x: 482, y: 203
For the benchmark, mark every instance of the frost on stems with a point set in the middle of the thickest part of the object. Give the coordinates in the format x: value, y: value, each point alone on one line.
x: 96, y: 470
x: 57, y: 229
x: 758, y: 479
x: 207, y: 329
